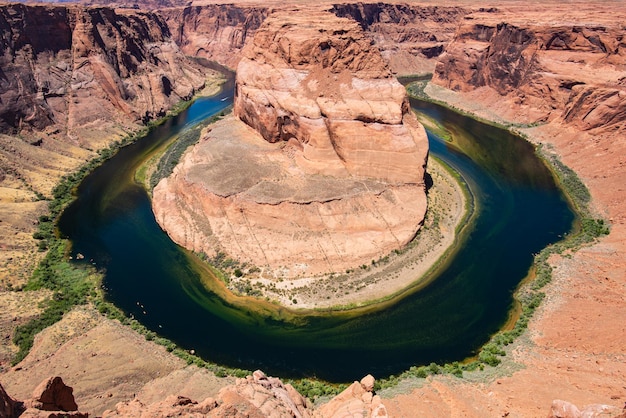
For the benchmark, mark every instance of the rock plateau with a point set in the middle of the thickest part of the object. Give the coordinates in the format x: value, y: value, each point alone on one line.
x: 323, y: 167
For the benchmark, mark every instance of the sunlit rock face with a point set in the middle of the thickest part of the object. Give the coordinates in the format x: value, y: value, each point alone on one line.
x: 317, y: 81
x: 320, y: 169
x: 533, y: 70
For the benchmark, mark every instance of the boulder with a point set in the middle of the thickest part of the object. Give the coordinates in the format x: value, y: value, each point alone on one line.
x: 53, y: 395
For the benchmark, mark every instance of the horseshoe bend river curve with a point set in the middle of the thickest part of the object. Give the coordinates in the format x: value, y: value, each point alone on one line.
x: 520, y: 211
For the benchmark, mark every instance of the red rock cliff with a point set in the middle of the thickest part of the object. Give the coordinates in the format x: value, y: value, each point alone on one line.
x: 216, y: 32
x: 410, y: 37
x: 73, y: 67
x: 329, y: 172
x: 539, y: 70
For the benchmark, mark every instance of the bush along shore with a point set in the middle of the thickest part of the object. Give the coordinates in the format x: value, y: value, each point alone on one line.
x: 78, y: 284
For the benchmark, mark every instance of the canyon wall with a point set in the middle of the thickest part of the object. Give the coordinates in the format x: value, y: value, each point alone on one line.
x: 216, y: 32
x: 533, y: 70
x: 326, y: 174
x: 73, y: 68
x: 410, y: 37
x: 73, y: 80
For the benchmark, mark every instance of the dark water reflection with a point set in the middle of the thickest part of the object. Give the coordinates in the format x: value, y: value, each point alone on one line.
x: 148, y: 276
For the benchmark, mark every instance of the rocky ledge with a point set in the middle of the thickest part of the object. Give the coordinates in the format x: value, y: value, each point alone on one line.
x: 322, y: 167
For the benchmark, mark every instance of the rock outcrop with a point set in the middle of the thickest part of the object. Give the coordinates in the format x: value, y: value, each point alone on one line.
x: 258, y: 395
x: 410, y: 37
x: 330, y: 172
x: 53, y: 395
x: 216, y: 32
x: 563, y: 409
x: 74, y: 67
x: 51, y: 399
x: 254, y: 396
x: 8, y: 406
x: 533, y: 70
x: 357, y: 400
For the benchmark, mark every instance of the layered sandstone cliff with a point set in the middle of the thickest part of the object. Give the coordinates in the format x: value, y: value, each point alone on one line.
x: 326, y: 174
x: 216, y: 32
x: 410, y: 37
x: 72, y: 81
x: 74, y: 68
x: 530, y: 69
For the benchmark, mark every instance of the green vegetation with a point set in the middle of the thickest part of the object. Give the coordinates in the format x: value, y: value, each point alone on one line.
x: 315, y: 389
x: 170, y: 158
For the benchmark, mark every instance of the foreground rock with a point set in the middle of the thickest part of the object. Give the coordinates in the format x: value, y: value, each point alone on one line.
x: 563, y: 409
x: 8, y: 405
x: 329, y: 172
x: 261, y: 396
x: 357, y: 400
x: 51, y: 399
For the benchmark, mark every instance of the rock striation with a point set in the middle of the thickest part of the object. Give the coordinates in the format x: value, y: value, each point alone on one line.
x: 327, y: 173
x: 534, y: 70
x: 94, y: 64
x: 214, y: 31
x: 410, y: 36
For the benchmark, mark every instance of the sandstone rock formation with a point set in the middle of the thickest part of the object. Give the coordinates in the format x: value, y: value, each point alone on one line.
x: 75, y: 67
x: 255, y: 396
x: 53, y: 395
x: 332, y: 174
x: 563, y: 409
x: 8, y: 405
x: 534, y: 70
x: 216, y: 32
x: 357, y: 400
x: 72, y: 81
x: 410, y: 36
x: 51, y: 399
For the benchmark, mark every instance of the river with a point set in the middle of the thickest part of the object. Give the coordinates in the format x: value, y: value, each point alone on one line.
x: 520, y: 211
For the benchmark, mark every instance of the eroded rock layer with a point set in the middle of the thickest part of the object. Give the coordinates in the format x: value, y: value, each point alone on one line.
x: 534, y: 70
x: 73, y: 67
x: 216, y: 32
x: 410, y: 36
x: 327, y: 173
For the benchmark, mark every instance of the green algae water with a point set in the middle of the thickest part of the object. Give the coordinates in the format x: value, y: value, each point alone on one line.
x: 520, y: 210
